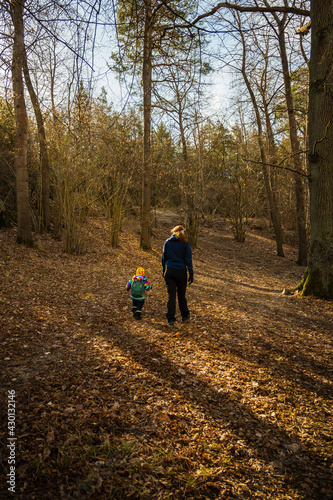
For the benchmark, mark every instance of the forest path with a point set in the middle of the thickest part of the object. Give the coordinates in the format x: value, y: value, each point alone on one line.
x: 237, y: 403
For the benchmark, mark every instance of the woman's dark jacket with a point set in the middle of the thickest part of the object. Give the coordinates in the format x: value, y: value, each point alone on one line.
x: 177, y: 255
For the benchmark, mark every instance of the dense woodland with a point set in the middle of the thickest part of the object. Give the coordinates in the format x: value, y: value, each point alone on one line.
x: 67, y: 152
x: 75, y: 154
x: 236, y: 404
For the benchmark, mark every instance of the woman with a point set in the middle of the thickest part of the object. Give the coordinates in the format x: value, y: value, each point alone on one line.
x: 176, y: 260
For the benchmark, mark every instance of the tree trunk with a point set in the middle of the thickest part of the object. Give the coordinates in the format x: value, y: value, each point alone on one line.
x: 267, y: 179
x: 45, y: 202
x: 191, y: 216
x: 147, y: 162
x: 294, y: 142
x: 319, y: 278
x: 276, y: 219
x: 24, y: 234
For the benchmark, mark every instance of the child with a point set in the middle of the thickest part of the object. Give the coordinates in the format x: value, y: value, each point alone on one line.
x: 139, y: 286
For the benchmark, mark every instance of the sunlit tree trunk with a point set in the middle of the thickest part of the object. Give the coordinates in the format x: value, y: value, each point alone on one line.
x: 24, y: 234
x: 272, y: 184
x: 295, y: 148
x: 147, y: 162
x: 319, y: 278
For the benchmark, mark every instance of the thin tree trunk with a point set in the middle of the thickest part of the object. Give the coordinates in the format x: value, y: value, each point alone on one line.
x: 147, y: 162
x: 272, y: 182
x: 190, y: 215
x: 295, y: 148
x: 294, y: 142
x: 45, y: 170
x: 271, y: 199
x: 24, y: 234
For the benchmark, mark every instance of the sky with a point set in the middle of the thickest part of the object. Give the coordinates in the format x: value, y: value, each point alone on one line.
x: 218, y: 93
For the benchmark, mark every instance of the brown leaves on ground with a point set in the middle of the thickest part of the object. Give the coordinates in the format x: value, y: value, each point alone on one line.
x: 235, y: 404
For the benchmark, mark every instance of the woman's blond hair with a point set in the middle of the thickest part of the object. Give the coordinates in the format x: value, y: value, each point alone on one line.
x: 179, y: 232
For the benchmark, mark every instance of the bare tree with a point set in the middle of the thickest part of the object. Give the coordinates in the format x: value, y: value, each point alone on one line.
x: 45, y: 167
x: 281, y: 24
x: 177, y: 98
x: 24, y: 234
x: 266, y: 169
x: 152, y: 29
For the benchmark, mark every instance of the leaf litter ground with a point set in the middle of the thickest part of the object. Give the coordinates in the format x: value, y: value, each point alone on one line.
x: 235, y: 404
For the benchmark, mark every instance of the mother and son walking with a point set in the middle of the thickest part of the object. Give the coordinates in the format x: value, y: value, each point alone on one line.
x: 176, y: 261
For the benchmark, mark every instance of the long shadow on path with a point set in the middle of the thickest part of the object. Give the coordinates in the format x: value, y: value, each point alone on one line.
x: 225, y: 411
x: 300, y: 352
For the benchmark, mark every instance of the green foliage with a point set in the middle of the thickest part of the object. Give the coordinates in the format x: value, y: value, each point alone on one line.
x: 168, y: 42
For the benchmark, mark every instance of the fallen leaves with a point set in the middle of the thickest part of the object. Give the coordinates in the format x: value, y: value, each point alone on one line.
x: 234, y: 404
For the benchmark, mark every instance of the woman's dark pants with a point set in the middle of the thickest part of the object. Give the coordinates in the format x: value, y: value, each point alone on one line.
x: 176, y: 281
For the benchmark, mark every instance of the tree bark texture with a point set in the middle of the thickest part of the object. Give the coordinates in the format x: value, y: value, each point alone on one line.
x: 24, y: 234
x: 319, y: 280
x: 145, y: 243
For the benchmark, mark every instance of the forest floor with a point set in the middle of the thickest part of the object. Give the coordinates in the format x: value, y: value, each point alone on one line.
x: 234, y: 404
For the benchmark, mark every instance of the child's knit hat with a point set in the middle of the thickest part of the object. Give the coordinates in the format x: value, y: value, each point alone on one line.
x: 140, y: 271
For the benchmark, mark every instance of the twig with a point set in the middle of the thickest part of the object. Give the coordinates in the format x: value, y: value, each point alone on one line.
x: 279, y: 165
x: 322, y: 139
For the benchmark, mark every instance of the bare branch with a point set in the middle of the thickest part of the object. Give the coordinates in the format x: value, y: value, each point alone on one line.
x: 231, y: 6
x: 245, y: 8
x: 280, y: 165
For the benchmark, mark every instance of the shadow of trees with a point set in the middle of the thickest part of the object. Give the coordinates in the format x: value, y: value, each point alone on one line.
x: 225, y: 410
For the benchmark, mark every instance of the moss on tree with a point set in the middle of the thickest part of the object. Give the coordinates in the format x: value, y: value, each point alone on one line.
x: 311, y: 284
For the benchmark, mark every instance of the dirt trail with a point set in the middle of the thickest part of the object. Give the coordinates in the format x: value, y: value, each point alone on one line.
x: 235, y: 404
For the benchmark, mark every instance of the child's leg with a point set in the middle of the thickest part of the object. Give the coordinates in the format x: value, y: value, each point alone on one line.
x: 139, y: 306
x: 134, y: 307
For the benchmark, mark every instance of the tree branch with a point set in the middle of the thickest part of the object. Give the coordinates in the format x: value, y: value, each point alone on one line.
x: 231, y: 6
x: 279, y: 165
x: 245, y: 8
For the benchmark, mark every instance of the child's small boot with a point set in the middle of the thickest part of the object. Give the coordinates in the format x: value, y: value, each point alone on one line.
x: 138, y: 314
